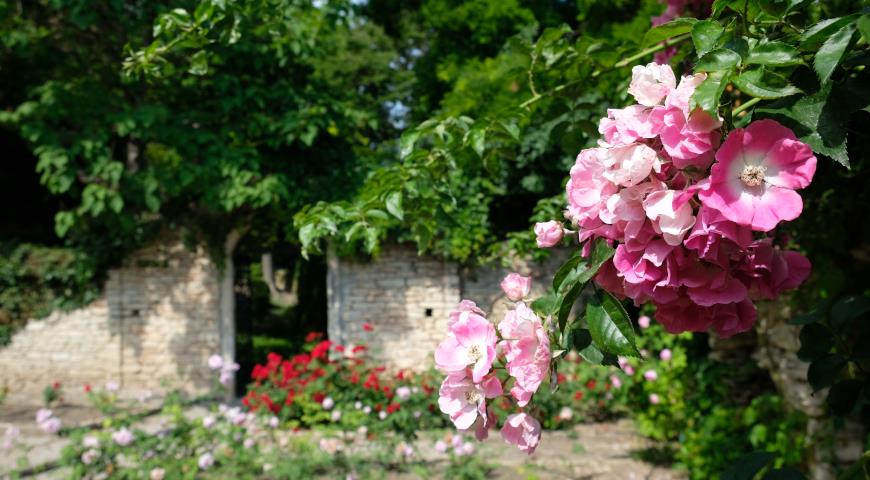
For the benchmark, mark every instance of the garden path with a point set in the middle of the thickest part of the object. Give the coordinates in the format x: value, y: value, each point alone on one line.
x: 600, y: 451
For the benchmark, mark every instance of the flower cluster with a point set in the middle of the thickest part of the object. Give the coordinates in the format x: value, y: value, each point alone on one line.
x: 47, y: 421
x: 691, y: 218
x: 521, y: 344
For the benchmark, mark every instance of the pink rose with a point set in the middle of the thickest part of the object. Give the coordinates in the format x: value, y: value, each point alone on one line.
x: 665, y: 355
x: 756, y: 173
x: 471, y: 343
x: 464, y: 307
x: 643, y: 321
x: 526, y: 348
x: 654, y: 399
x: 652, y: 83
x: 516, y: 287
x: 464, y: 401
x: 716, y: 239
x: 548, y: 233
x: 629, y: 165
x: 769, y: 271
x: 671, y: 217
x: 650, y: 375
x: 629, y: 125
x: 587, y: 189
x: 215, y: 362
x: 522, y: 430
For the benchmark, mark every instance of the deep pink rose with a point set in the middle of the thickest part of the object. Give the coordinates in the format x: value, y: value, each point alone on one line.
x: 548, y: 234
x: 769, y: 271
x: 756, y: 173
x: 522, y: 430
x: 516, y: 287
x: 716, y: 239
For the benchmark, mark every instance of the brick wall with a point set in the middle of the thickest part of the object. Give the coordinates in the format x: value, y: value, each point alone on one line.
x: 407, y: 299
x: 155, y: 325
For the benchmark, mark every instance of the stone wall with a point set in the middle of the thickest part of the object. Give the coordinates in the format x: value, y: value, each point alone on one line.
x: 407, y: 298
x: 154, y: 327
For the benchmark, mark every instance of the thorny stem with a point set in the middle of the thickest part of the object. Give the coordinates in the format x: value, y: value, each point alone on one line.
x: 745, y: 106
x: 622, y: 63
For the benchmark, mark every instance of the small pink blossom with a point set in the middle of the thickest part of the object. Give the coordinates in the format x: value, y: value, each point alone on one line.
x: 671, y: 216
x: 51, y: 425
x: 666, y: 355
x: 327, y: 403
x: 516, y: 287
x: 548, y: 234
x: 522, y: 430
x: 615, y: 381
x: 43, y: 414
x: 403, y: 393
x: 441, y: 446
x: 215, y: 362
x: 654, y: 399
x: 205, y: 461
x: 464, y: 401
x: 157, y: 474
x: 471, y: 343
x: 123, y: 437
x: 90, y: 456
x: 587, y: 189
x: 650, y: 84
x: 650, y: 375
x: 643, y: 321
x: 463, y: 309
x: 526, y: 348
x: 630, y: 124
x: 629, y: 165
x: 756, y: 173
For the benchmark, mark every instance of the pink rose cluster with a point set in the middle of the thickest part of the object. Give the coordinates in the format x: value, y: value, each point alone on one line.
x: 691, y: 218
x: 474, y: 344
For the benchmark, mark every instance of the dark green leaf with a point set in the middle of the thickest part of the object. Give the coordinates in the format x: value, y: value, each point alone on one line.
x: 861, y: 348
x: 706, y: 35
x: 609, y: 325
x: 763, y: 83
x: 565, y: 269
x: 394, y: 204
x: 664, y: 31
x: 774, y: 53
x: 567, y: 303
x: 747, y: 466
x: 511, y: 128
x: 825, y: 370
x: 717, y: 60
x: 863, y: 24
x: 580, y: 338
x: 843, y: 396
x: 814, y: 36
x: 708, y: 93
x: 591, y: 354
x: 787, y: 473
x: 816, y: 341
x: 831, y: 52
x: 477, y: 139
x: 847, y: 309
x: 199, y: 63
x: 546, y: 305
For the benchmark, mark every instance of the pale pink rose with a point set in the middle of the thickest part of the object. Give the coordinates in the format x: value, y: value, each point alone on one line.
x: 464, y: 401
x: 465, y: 450
x: 90, y: 441
x: 274, y: 421
x: 327, y: 403
x: 671, y: 217
x: 629, y: 370
x: 123, y: 437
x: 208, y: 421
x: 112, y: 386
x: 666, y: 355
x: 51, y: 426
x: 157, y: 474
x: 441, y: 446
x: 463, y: 309
x: 643, y: 321
x: 652, y: 83
x: 382, y: 415
x: 526, y: 348
x: 717, y: 239
x: 90, y: 456
x: 615, y: 381
x: 215, y: 362
x: 205, y: 461
x: 522, y: 430
x: 756, y: 173
x: 654, y: 399
x: 650, y: 375
x: 43, y: 414
x: 681, y: 96
x: 629, y: 165
x: 587, y: 189
x: 548, y: 234
x: 630, y: 124
x: 565, y: 414
x: 403, y: 393
x: 769, y: 271
x: 471, y: 343
x: 516, y: 287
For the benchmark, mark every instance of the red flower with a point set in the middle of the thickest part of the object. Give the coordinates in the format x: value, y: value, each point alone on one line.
x: 578, y: 396
x: 56, y: 385
x: 378, y: 407
x: 354, y: 378
x: 318, y: 397
x: 269, y: 403
x: 87, y: 388
x: 301, y: 359
x: 393, y: 407
x: 321, y: 349
x: 591, y: 384
x: 339, y: 348
x: 313, y: 337
x: 400, y: 375
x: 368, y: 327
x: 359, y: 348
x: 560, y: 378
x: 259, y: 373
x: 273, y: 360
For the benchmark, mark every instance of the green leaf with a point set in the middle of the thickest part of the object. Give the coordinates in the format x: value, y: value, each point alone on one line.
x: 609, y: 325
x: 394, y: 204
x: 747, y: 466
x: 591, y: 354
x: 774, y: 53
x: 306, y: 234
x: 546, y: 305
x: 787, y: 473
x: 706, y: 35
x: 407, y: 141
x: 814, y: 36
x: 831, y: 52
x: 717, y: 60
x: 477, y: 139
x: 665, y: 31
x: 863, y: 24
x: 843, y: 396
x: 199, y: 63
x: 580, y: 339
x: 510, y: 126
x: 847, y: 309
x: 824, y: 370
x: 566, y: 268
x: 709, y: 92
x: 816, y: 341
x: 765, y: 84
x: 818, y: 120
x: 567, y: 303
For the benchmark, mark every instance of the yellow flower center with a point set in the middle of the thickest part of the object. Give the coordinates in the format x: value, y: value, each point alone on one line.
x: 752, y: 175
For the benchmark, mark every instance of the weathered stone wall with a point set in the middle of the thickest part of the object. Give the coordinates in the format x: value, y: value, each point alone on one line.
x: 407, y: 298
x: 154, y: 327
